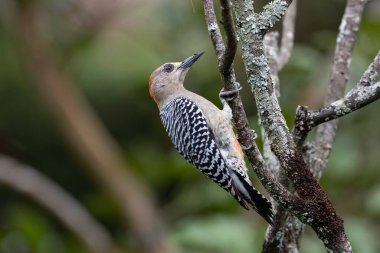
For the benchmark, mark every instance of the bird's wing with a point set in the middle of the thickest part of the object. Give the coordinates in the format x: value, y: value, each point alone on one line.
x: 188, y: 130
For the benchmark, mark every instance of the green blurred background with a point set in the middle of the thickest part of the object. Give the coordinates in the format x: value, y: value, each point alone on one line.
x: 110, y: 61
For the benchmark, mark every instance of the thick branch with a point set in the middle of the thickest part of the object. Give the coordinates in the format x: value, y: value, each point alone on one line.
x: 87, y: 135
x: 281, y: 236
x: 324, y: 221
x: 48, y: 194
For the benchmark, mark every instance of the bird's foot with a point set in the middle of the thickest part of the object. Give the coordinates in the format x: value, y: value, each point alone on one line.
x: 228, y: 95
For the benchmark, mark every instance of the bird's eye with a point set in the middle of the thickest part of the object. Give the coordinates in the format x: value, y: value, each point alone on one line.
x: 168, y: 68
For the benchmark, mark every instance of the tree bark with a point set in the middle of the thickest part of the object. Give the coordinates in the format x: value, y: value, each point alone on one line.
x: 284, y: 172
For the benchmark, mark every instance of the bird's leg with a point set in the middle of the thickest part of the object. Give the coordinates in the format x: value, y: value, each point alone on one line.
x: 226, y: 96
x: 227, y: 109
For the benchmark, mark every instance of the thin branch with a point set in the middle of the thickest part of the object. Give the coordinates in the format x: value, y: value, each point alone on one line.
x: 71, y: 213
x: 287, y: 35
x: 231, y: 41
x: 245, y: 135
x: 371, y: 73
x: 357, y: 98
x: 343, y: 52
x: 364, y: 93
x: 213, y: 30
x: 345, y: 43
x: 87, y: 135
x: 301, y: 126
x: 324, y: 221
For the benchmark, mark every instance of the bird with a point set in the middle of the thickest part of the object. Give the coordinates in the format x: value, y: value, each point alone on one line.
x: 203, y: 134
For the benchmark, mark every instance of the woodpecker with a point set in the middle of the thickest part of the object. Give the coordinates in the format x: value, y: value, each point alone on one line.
x: 203, y: 134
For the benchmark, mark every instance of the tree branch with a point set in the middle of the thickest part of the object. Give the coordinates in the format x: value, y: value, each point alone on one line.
x: 245, y: 135
x: 213, y: 30
x: 26, y: 180
x: 287, y: 35
x: 355, y: 99
x: 364, y: 93
x: 324, y: 220
x: 317, y: 154
x: 272, y: 54
x: 231, y: 41
x: 338, y: 78
x: 272, y: 12
x: 281, y: 237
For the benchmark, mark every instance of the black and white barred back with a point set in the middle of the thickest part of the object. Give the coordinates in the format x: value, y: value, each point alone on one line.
x: 188, y: 130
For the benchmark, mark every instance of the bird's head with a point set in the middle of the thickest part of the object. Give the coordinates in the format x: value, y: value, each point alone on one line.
x: 169, y: 77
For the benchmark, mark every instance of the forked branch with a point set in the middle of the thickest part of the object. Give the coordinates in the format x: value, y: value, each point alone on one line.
x: 365, y: 92
x: 323, y: 218
x: 251, y: 27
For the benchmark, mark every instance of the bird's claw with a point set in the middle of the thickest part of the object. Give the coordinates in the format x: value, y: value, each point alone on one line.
x: 228, y: 95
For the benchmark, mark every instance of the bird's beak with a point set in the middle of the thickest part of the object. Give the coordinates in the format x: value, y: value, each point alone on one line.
x: 189, y: 61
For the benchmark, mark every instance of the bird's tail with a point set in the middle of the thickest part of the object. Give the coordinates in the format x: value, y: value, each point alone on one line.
x: 246, y: 193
